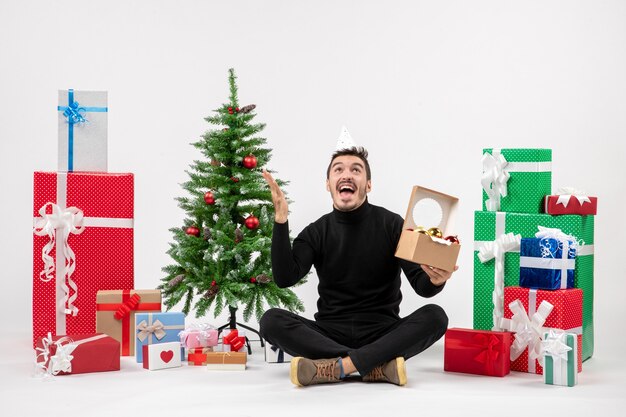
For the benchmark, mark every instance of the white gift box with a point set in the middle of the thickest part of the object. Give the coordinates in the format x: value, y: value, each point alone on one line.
x: 161, y: 356
x: 83, y: 128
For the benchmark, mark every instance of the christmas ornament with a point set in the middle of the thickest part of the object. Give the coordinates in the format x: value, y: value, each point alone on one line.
x: 250, y: 161
x: 435, y: 232
x: 238, y: 235
x: 176, y: 280
x: 192, y: 231
x: 209, y: 198
x: 206, y: 233
x: 234, y: 179
x: 420, y: 229
x: 213, y: 283
x: 230, y: 110
x: 237, y: 109
x: 253, y: 280
x: 252, y: 222
x: 452, y: 239
x: 263, y: 279
x: 248, y: 108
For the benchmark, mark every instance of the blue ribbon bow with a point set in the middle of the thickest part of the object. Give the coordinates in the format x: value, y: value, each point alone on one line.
x: 73, y: 113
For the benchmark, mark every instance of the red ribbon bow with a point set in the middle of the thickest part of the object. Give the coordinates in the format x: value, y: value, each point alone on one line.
x: 488, y: 353
x: 126, y: 307
x: 235, y: 341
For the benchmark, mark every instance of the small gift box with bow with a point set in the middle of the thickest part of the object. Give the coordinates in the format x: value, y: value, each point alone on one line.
x: 156, y: 328
x: 233, y: 340
x: 77, y: 354
x: 548, y: 260
x: 197, y: 356
x: 530, y: 313
x: 116, y: 310
x: 82, y: 130
x: 82, y: 243
x: 436, y: 211
x: 226, y: 361
x: 479, y: 352
x: 161, y: 356
x: 560, y: 353
x: 516, y: 180
x: 198, y: 336
x: 274, y: 354
x: 570, y: 201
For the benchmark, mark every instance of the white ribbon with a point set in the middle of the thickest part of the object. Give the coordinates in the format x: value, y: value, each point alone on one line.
x: 61, y: 361
x: 528, y: 328
x: 566, y: 193
x: 146, y: 330
x: 496, y: 249
x: 568, y: 245
x: 494, y: 179
x: 65, y: 221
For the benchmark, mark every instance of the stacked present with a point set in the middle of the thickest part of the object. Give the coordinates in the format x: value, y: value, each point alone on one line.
x: 533, y: 264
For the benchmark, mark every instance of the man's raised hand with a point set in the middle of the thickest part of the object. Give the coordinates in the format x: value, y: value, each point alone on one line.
x: 281, y: 210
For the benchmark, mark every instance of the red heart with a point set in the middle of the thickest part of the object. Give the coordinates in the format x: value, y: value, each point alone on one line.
x: 167, y: 356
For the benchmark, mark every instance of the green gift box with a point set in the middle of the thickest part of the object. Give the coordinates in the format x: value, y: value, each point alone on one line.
x: 559, y: 358
x: 516, y: 180
x: 490, y: 225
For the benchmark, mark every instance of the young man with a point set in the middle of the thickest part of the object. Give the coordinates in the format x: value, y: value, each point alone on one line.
x: 357, y: 326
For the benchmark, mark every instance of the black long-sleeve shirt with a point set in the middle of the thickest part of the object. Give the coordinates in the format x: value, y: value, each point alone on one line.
x: 353, y: 254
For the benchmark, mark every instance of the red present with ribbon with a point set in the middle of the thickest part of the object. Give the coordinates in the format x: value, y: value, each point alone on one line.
x: 198, y: 356
x: 570, y: 201
x: 82, y: 243
x: 479, y: 352
x: 530, y: 313
x: 115, y: 314
x: 232, y: 341
x: 77, y: 354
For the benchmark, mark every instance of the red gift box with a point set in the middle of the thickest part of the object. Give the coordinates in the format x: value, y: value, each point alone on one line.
x: 82, y: 243
x: 198, y: 356
x: 566, y: 314
x: 77, y: 354
x: 479, y: 352
x: 570, y: 204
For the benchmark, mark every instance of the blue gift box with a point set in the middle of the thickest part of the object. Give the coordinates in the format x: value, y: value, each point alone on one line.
x: 546, y: 264
x: 153, y: 328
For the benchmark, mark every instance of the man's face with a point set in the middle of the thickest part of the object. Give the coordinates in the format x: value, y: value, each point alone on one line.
x: 347, y: 182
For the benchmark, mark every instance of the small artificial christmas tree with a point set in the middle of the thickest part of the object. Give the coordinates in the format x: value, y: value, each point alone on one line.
x: 222, y: 253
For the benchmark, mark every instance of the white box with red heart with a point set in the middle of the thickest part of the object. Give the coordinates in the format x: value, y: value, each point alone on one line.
x: 161, y: 356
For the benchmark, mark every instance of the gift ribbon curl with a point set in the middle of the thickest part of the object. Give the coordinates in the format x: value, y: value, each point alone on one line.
x: 61, y: 361
x: 67, y: 221
x: 496, y: 250
x: 494, y: 179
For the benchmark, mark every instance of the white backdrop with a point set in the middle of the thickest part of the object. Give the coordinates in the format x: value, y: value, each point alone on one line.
x: 423, y: 85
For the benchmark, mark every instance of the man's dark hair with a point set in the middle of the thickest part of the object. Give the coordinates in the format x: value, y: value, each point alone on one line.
x: 359, y: 152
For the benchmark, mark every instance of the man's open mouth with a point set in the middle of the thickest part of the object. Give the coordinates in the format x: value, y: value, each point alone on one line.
x: 346, y: 189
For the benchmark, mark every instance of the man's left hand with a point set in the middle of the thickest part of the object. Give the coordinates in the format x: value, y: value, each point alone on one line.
x: 438, y: 276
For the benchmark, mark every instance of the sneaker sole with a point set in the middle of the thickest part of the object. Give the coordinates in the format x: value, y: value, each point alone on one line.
x: 293, y: 372
x: 401, y: 371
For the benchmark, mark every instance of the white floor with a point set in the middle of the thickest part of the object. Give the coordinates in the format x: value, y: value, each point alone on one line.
x: 264, y: 390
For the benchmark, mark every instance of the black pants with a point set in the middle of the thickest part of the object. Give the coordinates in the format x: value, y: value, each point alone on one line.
x: 368, y: 341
